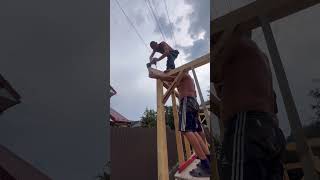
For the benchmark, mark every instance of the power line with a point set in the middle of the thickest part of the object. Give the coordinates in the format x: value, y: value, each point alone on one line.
x: 153, y: 3
x: 175, y: 42
x: 157, y: 22
x: 136, y: 30
x: 149, y: 10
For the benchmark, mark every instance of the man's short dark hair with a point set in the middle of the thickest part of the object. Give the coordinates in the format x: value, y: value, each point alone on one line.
x: 153, y: 43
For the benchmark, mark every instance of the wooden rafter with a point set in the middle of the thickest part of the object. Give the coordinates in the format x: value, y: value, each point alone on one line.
x: 195, y: 63
x: 166, y: 85
x: 172, y: 86
x: 247, y: 15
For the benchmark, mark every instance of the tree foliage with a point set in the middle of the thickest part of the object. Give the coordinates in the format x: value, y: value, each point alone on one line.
x: 149, y: 118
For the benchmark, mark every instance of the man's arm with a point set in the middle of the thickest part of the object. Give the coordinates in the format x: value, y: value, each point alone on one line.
x: 166, y: 52
x: 151, y: 56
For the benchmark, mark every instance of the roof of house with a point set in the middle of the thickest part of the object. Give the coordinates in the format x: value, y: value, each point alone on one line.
x: 117, y: 117
x: 8, y: 96
x: 112, y: 91
x: 19, y: 168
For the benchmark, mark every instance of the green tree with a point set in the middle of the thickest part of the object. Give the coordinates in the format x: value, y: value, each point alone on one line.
x: 149, y: 118
x: 169, y: 117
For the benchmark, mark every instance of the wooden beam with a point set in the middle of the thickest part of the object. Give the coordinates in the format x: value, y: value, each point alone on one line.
x: 162, y: 151
x: 217, y: 103
x: 195, y: 63
x: 172, y: 86
x: 303, y: 149
x: 313, y: 143
x: 166, y: 85
x: 176, y: 129
x: 206, y: 113
x: 187, y: 147
x: 298, y: 165
x: 247, y: 15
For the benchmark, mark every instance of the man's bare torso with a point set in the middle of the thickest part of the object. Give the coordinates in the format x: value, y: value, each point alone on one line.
x: 186, y: 87
x: 247, y: 81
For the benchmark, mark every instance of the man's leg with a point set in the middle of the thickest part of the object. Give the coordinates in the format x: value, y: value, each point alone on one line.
x: 170, y: 62
x: 196, y: 145
x: 203, y: 145
x: 252, y: 146
x: 187, y: 125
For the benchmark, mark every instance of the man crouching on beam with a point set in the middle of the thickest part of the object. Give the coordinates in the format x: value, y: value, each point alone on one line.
x: 189, y: 124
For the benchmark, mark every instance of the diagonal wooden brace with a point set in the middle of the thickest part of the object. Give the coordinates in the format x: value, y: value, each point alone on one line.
x: 166, y: 85
x: 171, y: 88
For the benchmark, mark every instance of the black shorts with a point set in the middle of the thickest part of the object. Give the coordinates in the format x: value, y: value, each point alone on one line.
x: 252, y: 148
x: 188, y: 115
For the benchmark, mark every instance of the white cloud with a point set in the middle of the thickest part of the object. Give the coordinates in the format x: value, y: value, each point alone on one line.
x: 129, y: 56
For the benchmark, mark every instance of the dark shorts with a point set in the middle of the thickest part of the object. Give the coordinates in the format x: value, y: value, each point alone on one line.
x: 170, y: 59
x: 188, y: 115
x: 252, y: 148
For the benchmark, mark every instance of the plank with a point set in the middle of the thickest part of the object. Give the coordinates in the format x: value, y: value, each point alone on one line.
x: 247, y: 15
x: 205, y: 59
x: 166, y: 85
x: 298, y: 165
x: 303, y: 150
x: 206, y: 113
x: 313, y: 142
x: 187, y: 146
x: 172, y: 86
x: 217, y: 103
x: 162, y: 151
x: 176, y: 129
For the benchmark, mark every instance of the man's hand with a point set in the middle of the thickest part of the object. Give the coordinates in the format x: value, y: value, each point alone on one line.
x: 154, y: 60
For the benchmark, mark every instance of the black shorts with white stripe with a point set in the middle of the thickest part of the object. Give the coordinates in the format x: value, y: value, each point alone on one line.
x: 253, y: 148
x: 188, y: 115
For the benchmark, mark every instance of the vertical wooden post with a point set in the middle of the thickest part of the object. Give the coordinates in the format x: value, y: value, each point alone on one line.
x: 162, y: 151
x: 303, y: 149
x: 214, y: 162
x: 187, y: 147
x: 214, y: 100
x: 205, y: 110
x: 176, y: 128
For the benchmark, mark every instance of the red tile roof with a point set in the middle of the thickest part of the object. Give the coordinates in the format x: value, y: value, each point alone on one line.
x: 19, y: 168
x: 117, y: 117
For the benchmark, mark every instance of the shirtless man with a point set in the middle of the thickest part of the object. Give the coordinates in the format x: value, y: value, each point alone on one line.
x: 166, y: 51
x: 252, y: 143
x: 189, y: 124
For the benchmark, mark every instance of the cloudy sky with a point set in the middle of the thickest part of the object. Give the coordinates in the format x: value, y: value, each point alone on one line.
x: 54, y: 54
x: 129, y: 55
x: 298, y: 41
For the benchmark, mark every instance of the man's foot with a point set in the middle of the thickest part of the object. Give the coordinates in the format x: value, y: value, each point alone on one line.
x: 167, y: 70
x: 200, y: 172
